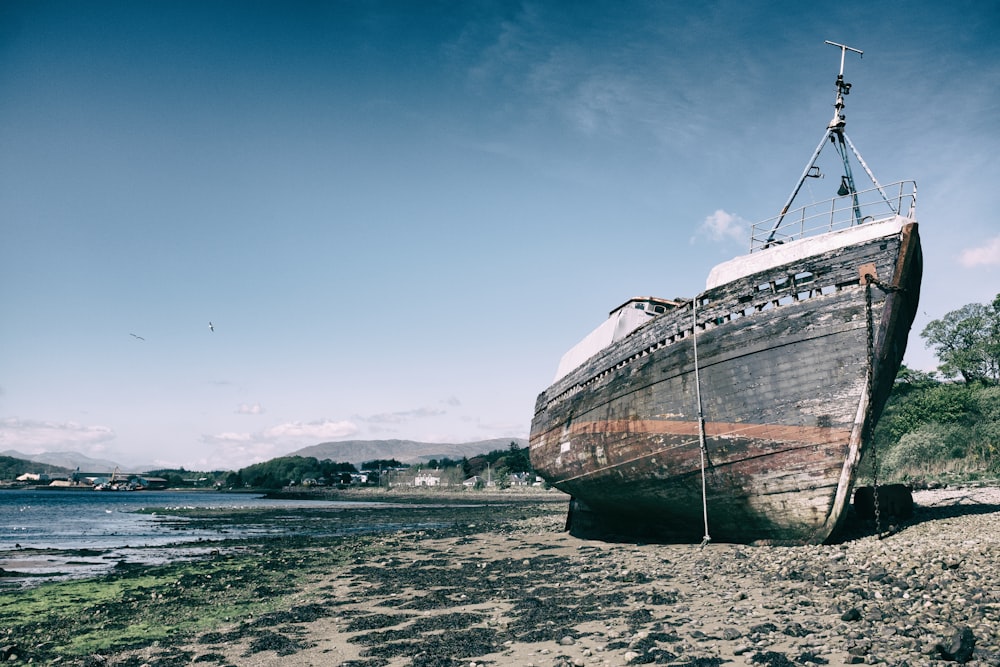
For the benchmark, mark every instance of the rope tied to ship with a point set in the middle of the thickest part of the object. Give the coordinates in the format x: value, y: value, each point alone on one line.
x: 701, y: 420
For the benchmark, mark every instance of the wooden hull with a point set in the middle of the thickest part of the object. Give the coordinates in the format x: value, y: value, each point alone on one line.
x: 783, y: 359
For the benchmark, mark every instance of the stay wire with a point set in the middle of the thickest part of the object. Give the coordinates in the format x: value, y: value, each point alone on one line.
x: 701, y: 421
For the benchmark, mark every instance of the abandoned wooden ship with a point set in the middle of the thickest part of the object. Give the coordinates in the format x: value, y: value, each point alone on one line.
x: 741, y: 415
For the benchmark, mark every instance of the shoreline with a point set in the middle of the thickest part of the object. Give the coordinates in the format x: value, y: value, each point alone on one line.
x: 504, y: 584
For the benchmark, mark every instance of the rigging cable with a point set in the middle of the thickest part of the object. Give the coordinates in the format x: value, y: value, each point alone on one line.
x: 701, y: 420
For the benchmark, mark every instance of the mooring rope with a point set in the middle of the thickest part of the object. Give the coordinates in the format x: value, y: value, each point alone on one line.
x: 701, y: 420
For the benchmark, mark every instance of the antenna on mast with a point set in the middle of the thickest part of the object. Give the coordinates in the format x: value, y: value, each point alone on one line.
x: 843, y: 88
x: 843, y: 51
x: 835, y: 133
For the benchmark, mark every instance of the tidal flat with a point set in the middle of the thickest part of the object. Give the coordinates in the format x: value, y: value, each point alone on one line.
x: 498, y: 582
x: 252, y: 576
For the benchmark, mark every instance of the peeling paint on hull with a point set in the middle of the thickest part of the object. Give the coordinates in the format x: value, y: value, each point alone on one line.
x: 785, y: 396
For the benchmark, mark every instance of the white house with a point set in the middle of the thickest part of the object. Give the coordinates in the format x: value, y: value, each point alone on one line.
x: 426, y: 479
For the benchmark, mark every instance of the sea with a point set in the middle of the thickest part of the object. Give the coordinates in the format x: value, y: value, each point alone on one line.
x: 59, y: 534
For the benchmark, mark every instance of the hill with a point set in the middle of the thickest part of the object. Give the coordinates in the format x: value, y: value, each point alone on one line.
x: 67, y: 460
x: 404, y: 451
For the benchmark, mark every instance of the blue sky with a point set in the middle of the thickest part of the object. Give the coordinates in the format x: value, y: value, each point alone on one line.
x: 399, y: 215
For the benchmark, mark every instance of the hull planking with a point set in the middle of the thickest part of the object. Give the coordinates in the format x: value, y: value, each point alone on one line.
x: 783, y: 362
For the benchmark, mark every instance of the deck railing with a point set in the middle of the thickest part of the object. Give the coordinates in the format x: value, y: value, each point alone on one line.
x: 838, y: 213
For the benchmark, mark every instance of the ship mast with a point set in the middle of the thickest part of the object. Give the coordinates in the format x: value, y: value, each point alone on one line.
x: 838, y: 137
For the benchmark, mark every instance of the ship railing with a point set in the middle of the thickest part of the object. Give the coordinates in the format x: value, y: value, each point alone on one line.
x: 842, y: 212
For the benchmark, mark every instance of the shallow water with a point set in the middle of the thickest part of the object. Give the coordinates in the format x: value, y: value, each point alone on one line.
x: 57, y: 534
x: 60, y: 534
x: 86, y: 519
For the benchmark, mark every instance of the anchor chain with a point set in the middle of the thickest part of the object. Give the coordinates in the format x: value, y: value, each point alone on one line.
x: 871, y: 393
x: 870, y: 280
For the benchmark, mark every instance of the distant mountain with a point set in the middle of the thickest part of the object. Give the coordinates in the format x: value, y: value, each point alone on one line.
x: 68, y: 460
x: 404, y: 451
x: 13, y: 466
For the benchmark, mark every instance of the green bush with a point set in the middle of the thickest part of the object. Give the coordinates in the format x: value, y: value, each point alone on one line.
x: 931, y: 429
x: 929, y: 446
x: 909, y: 410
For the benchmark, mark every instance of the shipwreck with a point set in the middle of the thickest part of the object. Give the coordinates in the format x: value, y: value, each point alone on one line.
x: 742, y: 414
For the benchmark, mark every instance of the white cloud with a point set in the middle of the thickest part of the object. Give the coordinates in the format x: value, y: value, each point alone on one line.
x: 289, y: 433
x: 228, y: 438
x: 986, y: 255
x: 246, y: 409
x: 319, y: 430
x: 32, y: 437
x: 233, y: 455
x: 238, y: 449
x: 722, y: 226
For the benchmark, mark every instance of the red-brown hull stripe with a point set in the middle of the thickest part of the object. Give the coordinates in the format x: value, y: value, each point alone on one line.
x: 815, y: 435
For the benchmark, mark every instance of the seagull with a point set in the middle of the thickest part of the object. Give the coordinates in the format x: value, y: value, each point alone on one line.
x: 137, y: 337
x: 211, y: 327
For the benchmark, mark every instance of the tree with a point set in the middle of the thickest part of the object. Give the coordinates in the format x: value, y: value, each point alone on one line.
x: 518, y: 458
x: 502, y: 477
x: 967, y: 342
x: 912, y: 378
x: 382, y: 464
x: 281, y: 471
x: 474, y: 466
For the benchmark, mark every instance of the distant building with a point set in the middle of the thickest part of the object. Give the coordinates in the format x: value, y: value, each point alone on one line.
x: 150, y: 482
x: 426, y: 479
x: 40, y: 477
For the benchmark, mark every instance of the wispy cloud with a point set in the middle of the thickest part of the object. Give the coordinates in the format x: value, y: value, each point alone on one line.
x: 722, y: 226
x: 231, y: 454
x: 31, y: 437
x: 288, y: 433
x: 986, y: 255
x: 545, y: 72
x: 235, y: 449
x: 318, y: 430
x: 228, y: 437
x: 247, y: 409
x: 404, y: 416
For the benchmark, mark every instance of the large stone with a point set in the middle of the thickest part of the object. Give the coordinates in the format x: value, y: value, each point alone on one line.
x: 958, y: 646
x: 894, y: 500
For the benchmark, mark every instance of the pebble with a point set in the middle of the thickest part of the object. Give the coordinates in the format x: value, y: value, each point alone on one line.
x: 926, y: 595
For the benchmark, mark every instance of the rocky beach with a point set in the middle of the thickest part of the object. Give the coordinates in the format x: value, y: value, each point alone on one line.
x: 501, y: 583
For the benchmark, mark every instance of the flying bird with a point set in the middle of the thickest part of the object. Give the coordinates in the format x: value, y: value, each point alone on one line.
x: 211, y: 327
x: 137, y: 337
